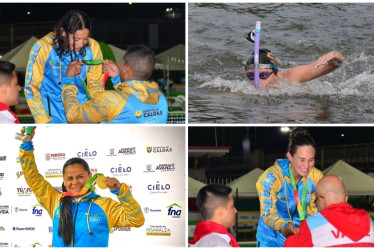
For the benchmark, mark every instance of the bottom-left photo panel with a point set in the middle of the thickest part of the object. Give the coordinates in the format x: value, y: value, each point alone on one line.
x: 92, y: 186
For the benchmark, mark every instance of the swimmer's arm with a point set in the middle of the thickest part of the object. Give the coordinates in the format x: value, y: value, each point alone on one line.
x: 324, y: 65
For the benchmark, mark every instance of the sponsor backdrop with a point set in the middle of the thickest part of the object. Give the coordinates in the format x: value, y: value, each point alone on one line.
x: 149, y: 159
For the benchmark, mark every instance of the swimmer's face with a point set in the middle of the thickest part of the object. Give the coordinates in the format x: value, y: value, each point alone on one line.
x: 263, y: 83
x: 78, y: 40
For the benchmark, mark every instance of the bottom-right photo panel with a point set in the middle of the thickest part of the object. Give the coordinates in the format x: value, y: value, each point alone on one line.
x: 281, y: 186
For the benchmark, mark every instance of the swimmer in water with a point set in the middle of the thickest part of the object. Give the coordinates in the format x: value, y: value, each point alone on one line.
x: 269, y: 73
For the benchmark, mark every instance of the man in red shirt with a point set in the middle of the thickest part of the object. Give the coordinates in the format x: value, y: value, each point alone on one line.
x: 9, y: 92
x: 337, y: 224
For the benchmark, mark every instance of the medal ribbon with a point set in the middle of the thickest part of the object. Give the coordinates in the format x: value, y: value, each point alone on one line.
x: 301, y: 207
x: 89, y: 184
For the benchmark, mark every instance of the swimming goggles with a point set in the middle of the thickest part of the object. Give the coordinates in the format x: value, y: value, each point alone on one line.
x: 262, y: 75
x: 261, y: 66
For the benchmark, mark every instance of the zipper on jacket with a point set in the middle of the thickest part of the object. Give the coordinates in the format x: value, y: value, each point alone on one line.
x: 49, y: 106
x: 75, y: 218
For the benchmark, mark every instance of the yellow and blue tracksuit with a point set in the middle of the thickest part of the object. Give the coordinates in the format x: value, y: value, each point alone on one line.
x: 132, y: 101
x: 93, y: 216
x: 277, y: 203
x: 44, y: 73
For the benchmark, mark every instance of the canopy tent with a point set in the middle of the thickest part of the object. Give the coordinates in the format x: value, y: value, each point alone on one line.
x: 355, y: 181
x: 194, y: 186
x: 20, y: 54
x: 246, y: 184
x: 118, y: 53
x: 172, y: 59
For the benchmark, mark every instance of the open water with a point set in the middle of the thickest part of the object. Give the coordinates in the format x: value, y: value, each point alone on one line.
x: 296, y: 33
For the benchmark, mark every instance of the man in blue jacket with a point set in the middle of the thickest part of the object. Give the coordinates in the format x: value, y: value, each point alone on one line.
x: 134, y: 100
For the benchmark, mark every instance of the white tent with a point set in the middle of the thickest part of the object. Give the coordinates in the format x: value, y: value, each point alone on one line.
x: 172, y: 59
x: 194, y: 186
x: 20, y: 54
x: 355, y: 181
x: 118, y: 53
x: 246, y: 184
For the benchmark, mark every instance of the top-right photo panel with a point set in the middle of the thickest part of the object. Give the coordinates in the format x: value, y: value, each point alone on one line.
x: 280, y: 63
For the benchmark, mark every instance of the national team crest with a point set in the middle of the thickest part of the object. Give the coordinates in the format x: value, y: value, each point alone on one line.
x: 138, y: 114
x: 47, y: 156
x: 146, y: 210
x: 149, y: 149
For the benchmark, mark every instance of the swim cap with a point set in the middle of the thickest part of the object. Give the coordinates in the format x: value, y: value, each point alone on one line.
x: 266, y: 60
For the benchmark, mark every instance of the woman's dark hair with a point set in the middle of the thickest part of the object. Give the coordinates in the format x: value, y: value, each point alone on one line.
x: 71, y: 22
x: 299, y: 137
x: 66, y: 227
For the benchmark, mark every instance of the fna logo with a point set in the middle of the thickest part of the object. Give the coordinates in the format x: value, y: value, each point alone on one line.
x: 37, y: 210
x: 173, y: 210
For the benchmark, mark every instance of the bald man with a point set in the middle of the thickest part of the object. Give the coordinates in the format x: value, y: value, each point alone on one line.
x: 217, y: 208
x: 337, y: 224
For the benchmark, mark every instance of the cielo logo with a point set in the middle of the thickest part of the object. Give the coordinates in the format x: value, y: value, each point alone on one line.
x: 174, y: 213
x: 120, y: 171
x: 37, y: 210
x: 87, y: 154
x: 158, y: 188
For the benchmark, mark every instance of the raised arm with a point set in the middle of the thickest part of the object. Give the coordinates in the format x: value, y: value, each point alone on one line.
x: 46, y: 195
x: 125, y: 213
x: 101, y: 108
x: 324, y: 65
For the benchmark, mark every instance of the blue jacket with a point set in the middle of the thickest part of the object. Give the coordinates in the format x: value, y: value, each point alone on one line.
x: 93, y: 216
x: 132, y: 101
x: 277, y: 203
x: 44, y: 73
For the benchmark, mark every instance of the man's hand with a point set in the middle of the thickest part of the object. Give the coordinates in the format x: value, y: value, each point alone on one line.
x: 74, y: 69
x: 289, y: 230
x: 111, y: 68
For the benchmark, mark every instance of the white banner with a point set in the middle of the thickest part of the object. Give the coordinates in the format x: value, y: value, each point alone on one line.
x: 149, y: 159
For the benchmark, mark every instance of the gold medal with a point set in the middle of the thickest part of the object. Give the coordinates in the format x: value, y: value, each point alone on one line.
x: 101, y: 182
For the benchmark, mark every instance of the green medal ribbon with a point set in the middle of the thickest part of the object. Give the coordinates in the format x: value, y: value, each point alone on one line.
x: 93, y: 62
x: 301, y: 208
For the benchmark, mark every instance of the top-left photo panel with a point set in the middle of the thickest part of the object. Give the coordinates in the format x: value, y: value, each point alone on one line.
x: 92, y: 63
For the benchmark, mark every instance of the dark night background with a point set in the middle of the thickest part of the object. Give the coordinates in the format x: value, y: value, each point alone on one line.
x: 355, y: 144
x: 272, y: 139
x: 120, y: 24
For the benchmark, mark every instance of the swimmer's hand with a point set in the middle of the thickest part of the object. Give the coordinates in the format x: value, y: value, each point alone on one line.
x: 112, y: 183
x: 333, y: 58
x: 74, y: 68
x: 27, y: 137
x: 290, y: 229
